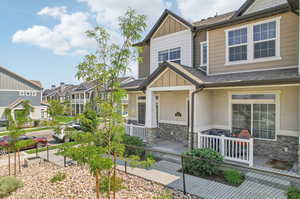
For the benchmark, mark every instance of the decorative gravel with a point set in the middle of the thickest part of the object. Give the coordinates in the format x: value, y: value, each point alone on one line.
x: 78, y: 184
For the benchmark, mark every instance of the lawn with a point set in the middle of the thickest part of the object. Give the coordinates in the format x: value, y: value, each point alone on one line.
x: 64, y: 119
x: 28, y: 130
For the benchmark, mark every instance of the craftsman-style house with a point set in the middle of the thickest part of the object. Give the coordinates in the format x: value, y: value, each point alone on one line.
x: 229, y: 82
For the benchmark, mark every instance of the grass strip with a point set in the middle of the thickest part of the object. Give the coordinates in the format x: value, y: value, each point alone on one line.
x: 29, y: 130
x: 52, y: 147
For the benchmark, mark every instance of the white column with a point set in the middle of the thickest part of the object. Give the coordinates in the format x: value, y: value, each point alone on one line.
x: 150, y: 109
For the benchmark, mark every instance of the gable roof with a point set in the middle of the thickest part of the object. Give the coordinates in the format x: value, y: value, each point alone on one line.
x: 34, y: 83
x: 159, y: 22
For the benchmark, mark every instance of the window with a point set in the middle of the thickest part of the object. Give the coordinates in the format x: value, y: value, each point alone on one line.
x: 256, y: 113
x: 203, y: 53
x: 173, y: 55
x: 253, y: 43
x: 237, y: 43
x: 264, y: 36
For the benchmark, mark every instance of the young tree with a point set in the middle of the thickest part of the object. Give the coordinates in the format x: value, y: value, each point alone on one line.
x: 88, y: 119
x: 55, y: 109
x: 105, y: 66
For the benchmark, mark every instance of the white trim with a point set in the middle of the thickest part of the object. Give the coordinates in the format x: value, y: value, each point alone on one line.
x: 250, y: 44
x: 276, y: 102
x: 171, y: 88
x: 159, y: 76
x: 171, y: 34
x: 201, y: 53
x: 254, y: 70
x: 243, y: 87
x: 173, y: 122
x: 288, y: 133
x: 18, y: 90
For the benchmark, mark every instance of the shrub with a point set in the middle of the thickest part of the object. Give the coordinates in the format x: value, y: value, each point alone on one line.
x: 36, y: 123
x: 206, y: 164
x: 233, y: 177
x: 165, y: 195
x: 60, y: 176
x: 8, y: 185
x: 115, y: 186
x: 133, y: 141
x: 293, y: 193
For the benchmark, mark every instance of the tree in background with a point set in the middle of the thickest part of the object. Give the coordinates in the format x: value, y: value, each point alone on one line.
x: 55, y: 109
x: 88, y: 119
x: 67, y: 110
x: 105, y: 66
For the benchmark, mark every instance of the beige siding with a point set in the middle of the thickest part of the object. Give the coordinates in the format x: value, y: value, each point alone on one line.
x: 144, y: 65
x: 289, y: 108
x: 259, y: 5
x: 170, y: 25
x: 288, y: 47
x: 200, y: 37
x: 169, y: 78
x: 171, y: 103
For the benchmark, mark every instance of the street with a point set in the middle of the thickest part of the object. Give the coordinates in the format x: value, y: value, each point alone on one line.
x: 44, y: 133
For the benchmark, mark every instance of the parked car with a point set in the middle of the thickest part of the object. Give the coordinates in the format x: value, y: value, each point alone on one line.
x: 4, y: 141
x: 60, y: 135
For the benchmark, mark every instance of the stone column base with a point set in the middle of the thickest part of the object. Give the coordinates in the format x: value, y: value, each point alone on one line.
x: 195, y: 144
x: 151, y: 136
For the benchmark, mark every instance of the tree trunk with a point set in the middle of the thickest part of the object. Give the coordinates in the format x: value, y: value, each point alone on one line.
x: 114, y: 177
x: 19, y: 160
x: 8, y: 152
x: 97, y: 186
x: 15, y: 163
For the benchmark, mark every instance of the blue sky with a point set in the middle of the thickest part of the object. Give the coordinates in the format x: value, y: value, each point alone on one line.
x: 44, y: 39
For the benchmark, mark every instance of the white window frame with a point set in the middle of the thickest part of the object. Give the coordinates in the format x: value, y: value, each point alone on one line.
x: 201, y: 53
x: 169, y: 50
x: 250, y: 44
x: 256, y: 101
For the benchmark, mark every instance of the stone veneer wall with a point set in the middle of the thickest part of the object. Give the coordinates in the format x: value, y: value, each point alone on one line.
x: 276, y: 149
x: 173, y: 132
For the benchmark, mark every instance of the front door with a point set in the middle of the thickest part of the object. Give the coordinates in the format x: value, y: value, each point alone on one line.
x: 141, y: 112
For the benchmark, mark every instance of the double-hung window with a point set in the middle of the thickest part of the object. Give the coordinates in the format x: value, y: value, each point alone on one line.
x: 264, y: 36
x: 203, y: 53
x: 173, y: 55
x: 256, y: 113
x: 253, y: 43
x: 237, y: 44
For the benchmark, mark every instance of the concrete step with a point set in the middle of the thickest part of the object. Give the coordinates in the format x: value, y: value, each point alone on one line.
x: 272, y: 181
x: 167, y: 157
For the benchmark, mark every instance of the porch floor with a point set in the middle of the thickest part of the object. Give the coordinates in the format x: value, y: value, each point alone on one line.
x: 170, y: 146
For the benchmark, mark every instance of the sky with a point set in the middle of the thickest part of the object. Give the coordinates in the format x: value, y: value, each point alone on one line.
x: 45, y: 39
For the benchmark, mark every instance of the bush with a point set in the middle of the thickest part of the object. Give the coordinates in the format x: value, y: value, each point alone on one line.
x: 233, y: 177
x: 165, y: 195
x: 115, y: 186
x: 60, y: 176
x: 206, y: 164
x: 293, y: 193
x: 8, y: 185
x: 36, y: 123
x: 133, y: 141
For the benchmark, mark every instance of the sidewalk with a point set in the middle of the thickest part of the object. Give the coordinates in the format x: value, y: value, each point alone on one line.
x: 166, y: 173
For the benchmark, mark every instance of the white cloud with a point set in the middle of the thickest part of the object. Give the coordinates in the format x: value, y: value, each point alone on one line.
x: 54, y: 11
x: 195, y: 10
x: 108, y: 11
x: 67, y: 37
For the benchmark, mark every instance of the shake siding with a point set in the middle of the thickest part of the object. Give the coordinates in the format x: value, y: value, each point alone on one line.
x: 289, y: 24
x: 200, y: 37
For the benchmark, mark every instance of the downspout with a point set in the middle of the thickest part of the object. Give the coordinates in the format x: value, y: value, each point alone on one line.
x: 198, y: 90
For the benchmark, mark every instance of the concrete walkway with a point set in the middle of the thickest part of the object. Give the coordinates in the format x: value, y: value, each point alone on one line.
x: 166, y: 173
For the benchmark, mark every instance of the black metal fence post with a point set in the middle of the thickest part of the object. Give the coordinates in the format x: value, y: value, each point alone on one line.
x: 65, y: 160
x: 183, y: 176
x: 126, y: 166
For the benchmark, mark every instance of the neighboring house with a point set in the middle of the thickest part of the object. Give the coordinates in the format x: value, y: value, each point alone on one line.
x: 78, y: 95
x: 14, y: 89
x: 221, y: 75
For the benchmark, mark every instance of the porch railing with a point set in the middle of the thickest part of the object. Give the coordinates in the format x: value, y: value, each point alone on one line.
x: 135, y: 130
x: 233, y: 149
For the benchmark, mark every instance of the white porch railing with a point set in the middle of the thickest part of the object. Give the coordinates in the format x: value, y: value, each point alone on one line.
x: 135, y: 130
x: 234, y: 149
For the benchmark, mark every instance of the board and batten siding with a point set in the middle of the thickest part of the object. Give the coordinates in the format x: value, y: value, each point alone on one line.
x: 169, y: 79
x: 9, y: 82
x: 182, y: 39
x: 259, y: 5
x: 289, y: 24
